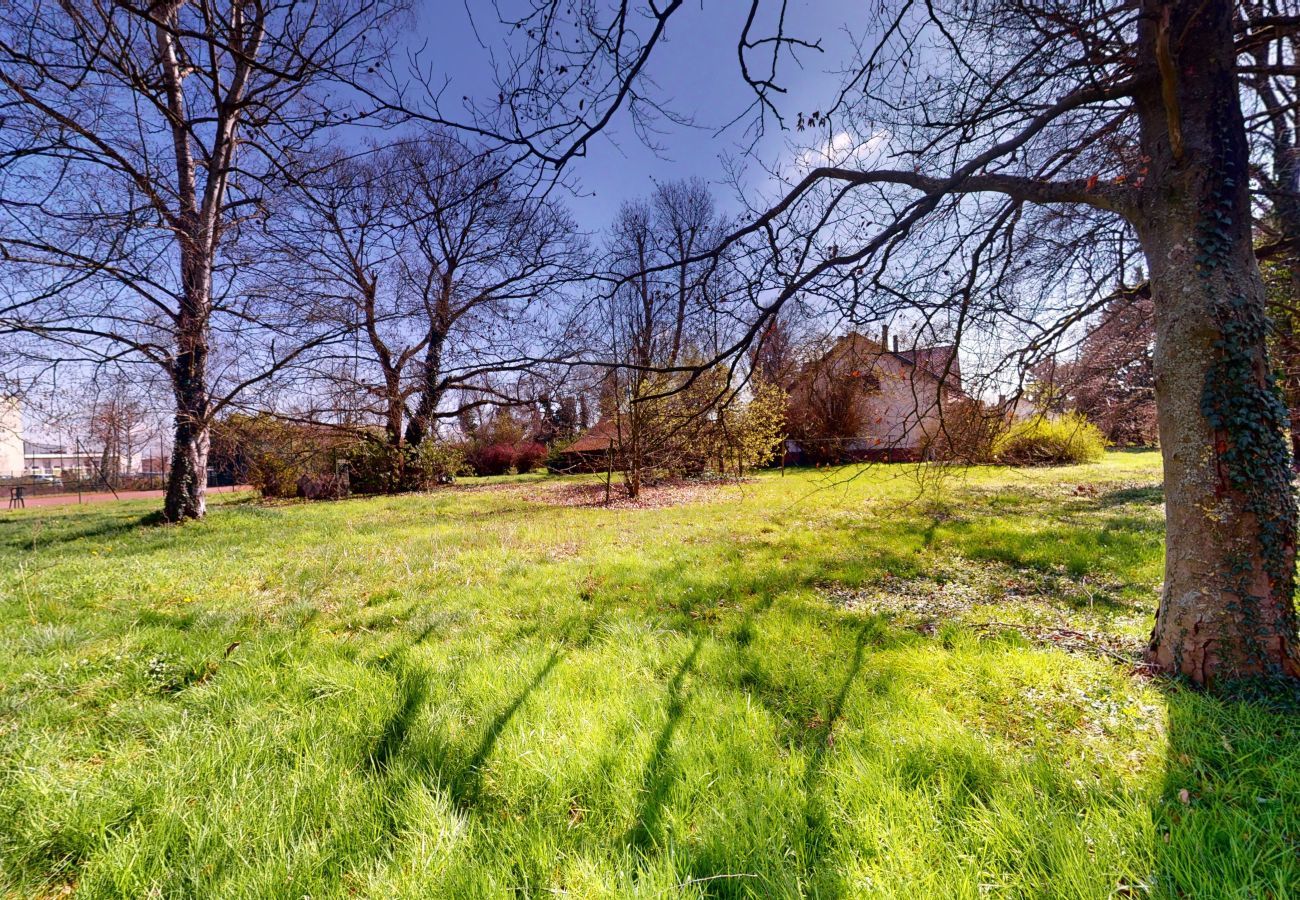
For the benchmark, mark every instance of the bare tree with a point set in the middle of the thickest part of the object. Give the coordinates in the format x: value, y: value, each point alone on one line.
x: 441, y: 263
x: 138, y: 140
x: 970, y: 123
x: 119, y: 423
x: 660, y: 319
x: 831, y: 395
x: 1271, y: 88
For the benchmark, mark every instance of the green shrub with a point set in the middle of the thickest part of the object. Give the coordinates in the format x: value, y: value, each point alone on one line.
x: 274, y: 455
x: 1050, y: 441
x: 437, y: 463
x: 377, y: 467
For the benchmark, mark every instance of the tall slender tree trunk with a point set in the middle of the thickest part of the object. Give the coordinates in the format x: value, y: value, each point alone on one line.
x: 1283, y: 193
x: 634, y: 466
x: 1286, y: 210
x: 188, y: 482
x: 1226, y: 610
x: 196, y: 229
x: 395, y: 410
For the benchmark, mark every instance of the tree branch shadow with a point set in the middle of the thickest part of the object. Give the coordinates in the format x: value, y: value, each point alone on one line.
x: 657, y: 777
x: 466, y: 786
x: 46, y: 533
x: 818, y: 833
x: 412, y: 686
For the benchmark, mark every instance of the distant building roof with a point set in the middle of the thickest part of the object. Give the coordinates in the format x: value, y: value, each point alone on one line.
x: 595, y: 439
x: 941, y: 363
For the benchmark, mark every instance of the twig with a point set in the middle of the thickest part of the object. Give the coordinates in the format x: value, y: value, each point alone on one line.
x: 692, y: 881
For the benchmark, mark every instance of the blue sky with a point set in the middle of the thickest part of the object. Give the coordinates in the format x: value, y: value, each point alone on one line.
x: 698, y: 75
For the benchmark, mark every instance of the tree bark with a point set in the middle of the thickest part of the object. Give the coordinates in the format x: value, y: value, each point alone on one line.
x: 1226, y: 609
x: 187, y: 483
x: 395, y: 409
x: 431, y: 389
x: 197, y: 222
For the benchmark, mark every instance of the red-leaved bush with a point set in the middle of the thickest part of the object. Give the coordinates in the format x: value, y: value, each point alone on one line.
x: 529, y: 456
x: 501, y: 457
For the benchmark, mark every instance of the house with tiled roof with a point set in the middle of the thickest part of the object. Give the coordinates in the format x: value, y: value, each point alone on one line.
x: 892, y: 397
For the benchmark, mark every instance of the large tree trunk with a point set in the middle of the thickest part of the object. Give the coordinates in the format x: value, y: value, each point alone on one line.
x: 420, y: 425
x: 1226, y: 610
x: 187, y: 483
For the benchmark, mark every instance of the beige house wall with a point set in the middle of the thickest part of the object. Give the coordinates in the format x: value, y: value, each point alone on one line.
x: 904, y: 412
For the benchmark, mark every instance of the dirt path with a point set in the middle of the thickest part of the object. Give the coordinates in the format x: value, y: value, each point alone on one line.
x: 108, y: 497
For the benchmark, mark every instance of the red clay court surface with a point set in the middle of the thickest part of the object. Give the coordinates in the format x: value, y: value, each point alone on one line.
x: 106, y: 497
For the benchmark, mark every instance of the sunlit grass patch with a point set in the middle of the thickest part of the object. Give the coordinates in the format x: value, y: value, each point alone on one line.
x: 825, y: 684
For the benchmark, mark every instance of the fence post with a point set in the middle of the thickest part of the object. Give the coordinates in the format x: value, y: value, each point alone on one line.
x: 609, y: 472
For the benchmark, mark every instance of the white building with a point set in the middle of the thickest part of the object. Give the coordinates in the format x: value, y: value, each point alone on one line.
x: 54, y: 459
x: 22, y: 457
x: 11, y: 437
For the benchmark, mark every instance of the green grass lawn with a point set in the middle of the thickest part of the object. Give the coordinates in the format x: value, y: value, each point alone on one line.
x: 826, y: 684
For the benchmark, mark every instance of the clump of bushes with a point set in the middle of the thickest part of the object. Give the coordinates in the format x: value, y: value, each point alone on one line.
x: 289, y: 459
x: 491, y: 459
x: 1067, y: 439
x: 323, y: 486
x: 439, y: 463
x: 279, y: 458
x: 528, y: 456
x: 377, y: 467
x: 503, y: 458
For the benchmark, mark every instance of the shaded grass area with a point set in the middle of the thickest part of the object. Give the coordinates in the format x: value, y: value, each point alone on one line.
x: 474, y: 693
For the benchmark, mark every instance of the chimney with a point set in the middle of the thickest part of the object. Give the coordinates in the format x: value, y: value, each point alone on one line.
x: 884, y: 336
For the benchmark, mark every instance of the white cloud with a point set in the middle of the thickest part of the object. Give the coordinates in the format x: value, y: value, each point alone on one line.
x: 842, y: 149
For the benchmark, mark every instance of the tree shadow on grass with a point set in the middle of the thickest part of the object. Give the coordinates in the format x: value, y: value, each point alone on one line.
x: 1150, y: 495
x: 466, y: 786
x: 43, y: 534
x: 657, y: 777
x: 412, y: 688
x: 818, y: 834
x: 714, y: 867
